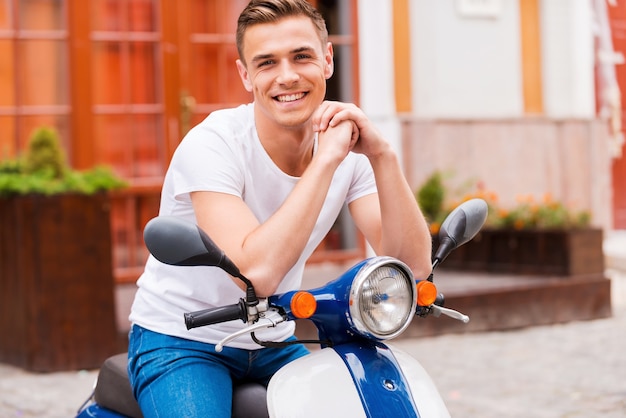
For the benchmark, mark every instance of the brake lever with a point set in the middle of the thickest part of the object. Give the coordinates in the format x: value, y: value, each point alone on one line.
x: 270, y: 319
x: 438, y: 310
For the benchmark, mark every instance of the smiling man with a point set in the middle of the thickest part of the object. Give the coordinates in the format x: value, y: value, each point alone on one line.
x: 266, y: 180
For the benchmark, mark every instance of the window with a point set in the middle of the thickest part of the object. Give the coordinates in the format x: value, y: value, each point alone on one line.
x: 127, y: 87
x: 34, y: 81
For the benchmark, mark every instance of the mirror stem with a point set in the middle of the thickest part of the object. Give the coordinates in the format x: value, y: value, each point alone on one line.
x: 251, y: 298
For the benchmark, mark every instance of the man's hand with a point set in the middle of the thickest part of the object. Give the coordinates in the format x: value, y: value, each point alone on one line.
x: 366, y: 139
x: 338, y: 140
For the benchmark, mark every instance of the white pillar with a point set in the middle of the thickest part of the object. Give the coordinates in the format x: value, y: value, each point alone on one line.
x: 376, y: 68
x: 568, y: 58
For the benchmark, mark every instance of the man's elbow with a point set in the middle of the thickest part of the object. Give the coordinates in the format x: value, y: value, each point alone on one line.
x: 422, y: 265
x: 421, y: 270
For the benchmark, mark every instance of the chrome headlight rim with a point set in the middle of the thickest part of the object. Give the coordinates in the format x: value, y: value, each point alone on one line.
x: 358, y: 322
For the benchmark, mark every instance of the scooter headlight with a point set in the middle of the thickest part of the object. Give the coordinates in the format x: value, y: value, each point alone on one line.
x: 382, y: 298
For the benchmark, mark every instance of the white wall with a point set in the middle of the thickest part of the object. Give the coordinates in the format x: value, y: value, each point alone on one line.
x: 467, y: 66
x: 463, y: 66
x: 567, y: 58
x: 376, y: 67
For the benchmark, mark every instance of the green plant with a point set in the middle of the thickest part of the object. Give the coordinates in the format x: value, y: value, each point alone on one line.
x: 436, y: 203
x: 430, y: 196
x: 44, y: 156
x: 43, y: 170
x: 529, y: 213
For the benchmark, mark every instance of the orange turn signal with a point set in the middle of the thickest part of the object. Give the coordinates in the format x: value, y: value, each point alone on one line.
x: 426, y: 293
x: 303, y: 305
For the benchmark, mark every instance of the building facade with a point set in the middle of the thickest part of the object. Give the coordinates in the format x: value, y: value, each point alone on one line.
x: 521, y: 96
x: 505, y: 92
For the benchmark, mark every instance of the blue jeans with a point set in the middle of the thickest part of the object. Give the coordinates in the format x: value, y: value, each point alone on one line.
x: 175, y: 377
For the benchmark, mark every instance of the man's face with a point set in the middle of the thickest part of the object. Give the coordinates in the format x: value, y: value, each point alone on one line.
x: 286, y: 69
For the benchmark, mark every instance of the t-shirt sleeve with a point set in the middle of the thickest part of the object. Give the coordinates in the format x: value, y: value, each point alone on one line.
x: 206, y: 160
x: 363, y: 182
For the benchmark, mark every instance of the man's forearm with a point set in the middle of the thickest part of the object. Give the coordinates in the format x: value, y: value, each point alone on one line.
x: 405, y: 233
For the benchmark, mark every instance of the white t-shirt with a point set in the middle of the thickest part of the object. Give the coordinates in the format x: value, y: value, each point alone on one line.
x: 224, y: 154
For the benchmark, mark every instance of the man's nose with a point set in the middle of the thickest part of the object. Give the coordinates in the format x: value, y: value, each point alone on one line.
x: 287, y: 73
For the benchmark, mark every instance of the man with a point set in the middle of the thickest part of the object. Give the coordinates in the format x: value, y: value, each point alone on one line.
x: 266, y: 181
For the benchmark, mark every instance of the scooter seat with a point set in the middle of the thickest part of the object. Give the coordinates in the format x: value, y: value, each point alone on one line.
x: 113, y: 392
x: 250, y: 401
x: 113, y: 389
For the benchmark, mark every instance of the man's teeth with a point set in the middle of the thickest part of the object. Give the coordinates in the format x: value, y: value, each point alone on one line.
x: 290, y: 97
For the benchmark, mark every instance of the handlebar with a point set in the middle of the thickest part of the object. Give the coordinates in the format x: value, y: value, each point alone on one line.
x: 216, y: 315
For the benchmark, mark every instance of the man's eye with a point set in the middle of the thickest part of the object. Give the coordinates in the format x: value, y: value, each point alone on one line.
x: 266, y: 62
x: 302, y: 56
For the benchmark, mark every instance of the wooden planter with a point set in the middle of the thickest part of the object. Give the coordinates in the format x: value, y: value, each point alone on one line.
x: 536, y: 252
x: 57, y: 308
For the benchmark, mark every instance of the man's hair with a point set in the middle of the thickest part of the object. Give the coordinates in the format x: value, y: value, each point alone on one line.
x: 271, y: 11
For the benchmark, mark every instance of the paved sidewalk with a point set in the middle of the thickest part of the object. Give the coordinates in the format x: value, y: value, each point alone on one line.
x: 569, y: 370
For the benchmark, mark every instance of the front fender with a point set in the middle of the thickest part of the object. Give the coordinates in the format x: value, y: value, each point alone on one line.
x: 356, y: 381
x: 425, y: 393
x: 317, y: 385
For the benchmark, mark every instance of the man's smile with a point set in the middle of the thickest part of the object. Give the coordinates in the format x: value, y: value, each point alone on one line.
x: 285, y: 98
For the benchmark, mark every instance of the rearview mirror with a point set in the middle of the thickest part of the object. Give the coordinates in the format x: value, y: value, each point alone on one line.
x: 177, y: 242
x: 460, y: 226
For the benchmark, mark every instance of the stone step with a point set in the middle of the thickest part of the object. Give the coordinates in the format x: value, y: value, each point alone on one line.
x: 509, y: 302
x: 502, y: 302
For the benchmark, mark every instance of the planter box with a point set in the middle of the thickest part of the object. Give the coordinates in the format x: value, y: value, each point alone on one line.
x: 57, y: 309
x: 535, y: 252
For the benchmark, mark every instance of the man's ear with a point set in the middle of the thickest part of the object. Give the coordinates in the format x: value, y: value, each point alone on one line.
x: 329, y: 67
x: 244, y: 75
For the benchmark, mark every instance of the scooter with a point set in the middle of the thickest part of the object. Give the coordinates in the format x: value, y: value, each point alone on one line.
x: 354, y: 373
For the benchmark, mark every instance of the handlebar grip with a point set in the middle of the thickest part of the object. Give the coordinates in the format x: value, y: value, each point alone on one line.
x: 216, y: 315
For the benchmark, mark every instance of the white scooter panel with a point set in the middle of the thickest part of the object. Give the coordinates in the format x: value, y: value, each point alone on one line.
x: 425, y: 394
x: 317, y: 385
x: 320, y: 385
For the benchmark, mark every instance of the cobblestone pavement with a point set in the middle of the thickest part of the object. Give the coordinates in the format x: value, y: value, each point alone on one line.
x: 569, y: 370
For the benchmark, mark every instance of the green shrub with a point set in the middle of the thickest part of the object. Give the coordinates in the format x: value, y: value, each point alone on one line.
x: 431, y: 196
x: 44, y: 156
x: 43, y: 170
x: 436, y: 202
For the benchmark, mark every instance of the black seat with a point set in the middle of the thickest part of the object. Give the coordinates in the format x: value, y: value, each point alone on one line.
x: 113, y: 389
x: 113, y: 392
